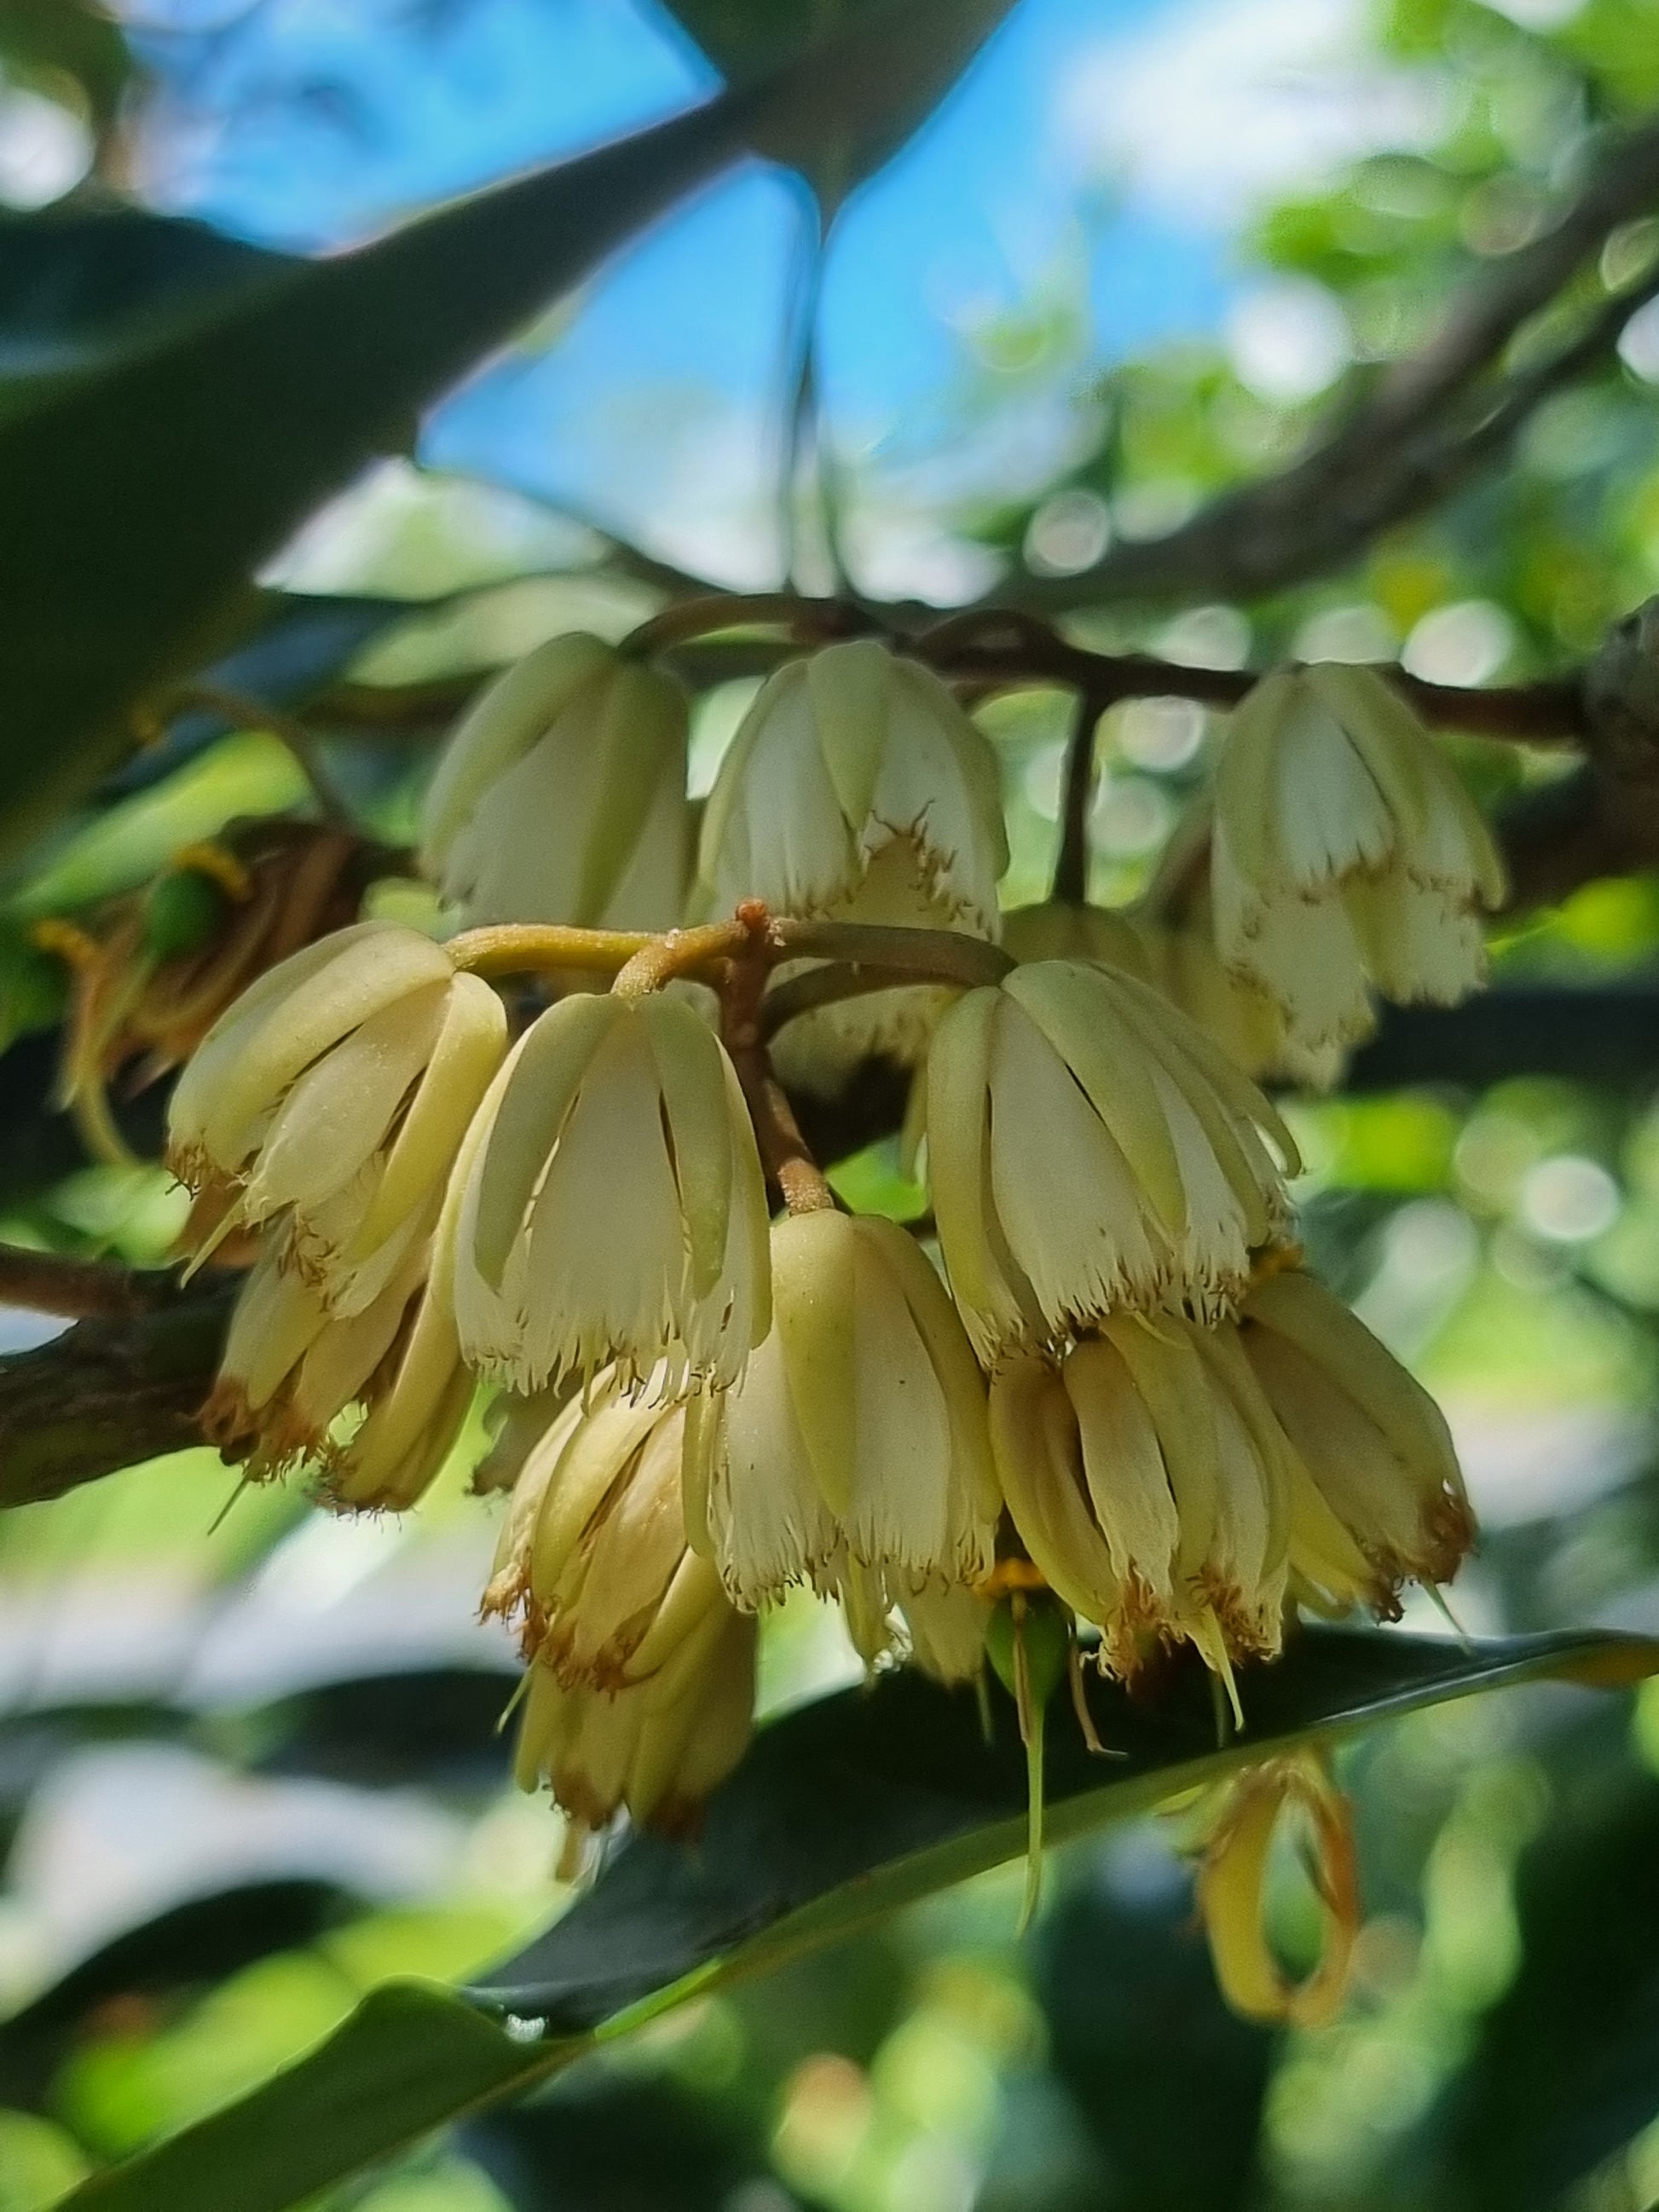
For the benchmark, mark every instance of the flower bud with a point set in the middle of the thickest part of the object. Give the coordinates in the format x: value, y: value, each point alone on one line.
x: 1089, y: 1149
x: 1232, y: 1880
x: 1379, y: 1497
x: 561, y: 797
x: 615, y: 1209
x: 858, y: 1432
x: 858, y: 790
x: 1148, y: 1483
x: 594, y: 1555
x: 659, y: 1746
x: 1346, y: 854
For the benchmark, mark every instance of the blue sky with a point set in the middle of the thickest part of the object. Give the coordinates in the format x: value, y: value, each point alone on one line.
x: 1077, y: 161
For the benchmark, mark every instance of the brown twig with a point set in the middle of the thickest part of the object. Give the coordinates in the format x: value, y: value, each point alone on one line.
x: 1426, y: 424
x: 78, y: 1290
x: 1071, y: 882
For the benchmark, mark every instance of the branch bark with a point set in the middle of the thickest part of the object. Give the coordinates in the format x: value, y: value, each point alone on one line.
x: 1429, y: 420
x: 106, y: 1395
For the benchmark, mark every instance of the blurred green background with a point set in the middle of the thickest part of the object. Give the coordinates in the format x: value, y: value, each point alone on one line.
x: 248, y: 1764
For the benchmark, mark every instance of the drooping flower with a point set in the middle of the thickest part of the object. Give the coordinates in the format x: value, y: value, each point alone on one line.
x: 947, y: 1630
x: 858, y: 790
x: 1345, y: 855
x: 856, y: 1439
x: 1233, y: 1879
x: 616, y: 1208
x: 1149, y: 1483
x: 561, y: 797
x: 657, y: 1746
x: 1181, y: 963
x: 593, y: 1555
x: 293, y: 1368
x: 337, y: 1092
x: 1379, y: 1497
x: 1089, y: 1149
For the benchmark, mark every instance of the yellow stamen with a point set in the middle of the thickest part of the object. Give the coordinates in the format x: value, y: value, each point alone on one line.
x: 219, y: 865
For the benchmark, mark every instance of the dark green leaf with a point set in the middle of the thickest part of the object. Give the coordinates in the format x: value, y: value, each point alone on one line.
x: 44, y: 41
x: 745, y: 37
x: 1134, y: 2018
x: 1566, y: 2068
x: 173, y: 406
x: 841, y: 1813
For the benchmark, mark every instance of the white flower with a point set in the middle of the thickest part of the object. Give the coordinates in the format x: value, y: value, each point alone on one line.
x: 1346, y: 855
x: 561, y: 797
x: 857, y: 790
x: 615, y: 1209
x: 1090, y: 1150
x: 857, y: 1434
x: 1378, y: 1498
x: 336, y: 1091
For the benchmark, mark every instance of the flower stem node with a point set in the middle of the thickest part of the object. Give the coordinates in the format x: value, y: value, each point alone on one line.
x: 1089, y: 1151
x: 858, y: 790
x: 561, y: 797
x: 1345, y: 855
x: 337, y: 1092
x: 615, y: 1209
x: 857, y: 1438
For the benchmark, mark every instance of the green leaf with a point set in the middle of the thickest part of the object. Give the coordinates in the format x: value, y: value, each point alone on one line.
x: 1565, y: 2068
x: 841, y: 1813
x: 172, y: 405
x: 745, y: 37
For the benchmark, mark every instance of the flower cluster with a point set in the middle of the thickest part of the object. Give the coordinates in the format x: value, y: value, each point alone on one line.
x: 1111, y: 1389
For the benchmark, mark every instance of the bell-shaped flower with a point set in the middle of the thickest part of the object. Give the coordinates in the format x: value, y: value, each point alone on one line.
x: 561, y: 797
x: 291, y: 1371
x: 1378, y: 1499
x: 857, y: 790
x: 657, y: 1746
x: 1149, y: 1483
x: 616, y: 1208
x: 1183, y: 964
x: 593, y: 1555
x: 1345, y: 855
x: 1089, y: 1149
x: 856, y: 1438
x: 337, y: 1092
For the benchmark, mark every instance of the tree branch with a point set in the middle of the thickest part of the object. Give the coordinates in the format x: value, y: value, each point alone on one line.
x: 1429, y: 420
x: 106, y: 1395
x: 79, y: 1290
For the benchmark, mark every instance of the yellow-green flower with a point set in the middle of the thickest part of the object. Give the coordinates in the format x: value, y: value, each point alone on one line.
x: 1378, y: 1497
x: 1232, y: 1881
x: 1149, y: 1483
x: 1181, y: 962
x: 615, y: 1209
x: 1345, y: 855
x: 561, y: 797
x: 335, y: 1092
x: 857, y: 1436
x: 857, y: 790
x: 594, y: 1553
x: 656, y: 1746
x: 1089, y: 1149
